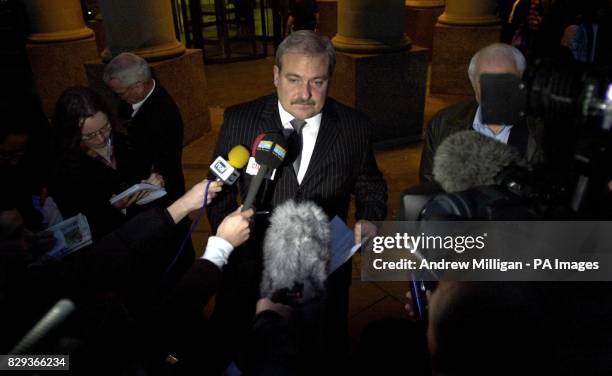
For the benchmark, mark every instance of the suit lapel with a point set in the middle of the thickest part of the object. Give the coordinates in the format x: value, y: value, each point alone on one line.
x: 328, y: 131
x: 270, y: 118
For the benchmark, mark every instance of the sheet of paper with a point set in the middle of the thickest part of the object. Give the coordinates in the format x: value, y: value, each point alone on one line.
x: 342, y: 245
x: 155, y: 192
x: 70, y: 235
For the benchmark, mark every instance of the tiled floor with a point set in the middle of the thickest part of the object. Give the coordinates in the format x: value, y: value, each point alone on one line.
x: 229, y: 84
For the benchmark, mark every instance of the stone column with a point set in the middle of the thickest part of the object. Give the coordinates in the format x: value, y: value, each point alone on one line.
x: 328, y: 17
x: 469, y: 12
x: 421, y: 16
x: 56, y: 21
x: 57, y: 47
x: 371, y: 26
x: 463, y: 28
x: 145, y: 27
x: 377, y: 72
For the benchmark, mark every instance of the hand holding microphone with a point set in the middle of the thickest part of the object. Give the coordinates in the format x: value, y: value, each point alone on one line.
x: 235, y: 227
x: 193, y: 199
x: 227, y: 171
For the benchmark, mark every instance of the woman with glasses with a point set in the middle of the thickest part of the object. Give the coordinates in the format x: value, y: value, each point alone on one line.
x: 93, y: 162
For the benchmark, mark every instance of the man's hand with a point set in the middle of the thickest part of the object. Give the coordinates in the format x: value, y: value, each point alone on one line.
x: 364, y: 229
x: 193, y: 199
x: 235, y: 227
x: 265, y: 304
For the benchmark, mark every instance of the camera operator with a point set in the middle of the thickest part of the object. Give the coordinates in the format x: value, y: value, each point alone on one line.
x: 526, y: 136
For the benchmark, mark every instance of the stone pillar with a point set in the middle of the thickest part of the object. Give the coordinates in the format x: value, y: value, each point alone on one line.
x: 421, y: 16
x: 377, y: 73
x: 371, y: 26
x: 463, y: 28
x: 57, y: 47
x: 145, y: 27
x: 469, y: 13
x: 328, y: 17
x: 56, y: 21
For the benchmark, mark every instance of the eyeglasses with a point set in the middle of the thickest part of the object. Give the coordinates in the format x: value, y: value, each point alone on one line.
x: 90, y: 136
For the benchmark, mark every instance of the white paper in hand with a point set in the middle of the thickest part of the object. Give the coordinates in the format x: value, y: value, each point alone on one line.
x: 343, y: 245
x: 152, y: 196
x: 154, y: 192
x: 70, y: 235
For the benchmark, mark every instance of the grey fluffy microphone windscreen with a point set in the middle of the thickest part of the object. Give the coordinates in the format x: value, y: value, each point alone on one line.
x: 296, y: 250
x: 468, y: 159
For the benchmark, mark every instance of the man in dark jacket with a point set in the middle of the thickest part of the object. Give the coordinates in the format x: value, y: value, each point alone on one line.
x: 155, y: 128
x: 526, y: 136
x: 153, y: 120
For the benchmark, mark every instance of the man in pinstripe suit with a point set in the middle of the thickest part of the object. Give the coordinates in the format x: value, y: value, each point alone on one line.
x: 336, y: 161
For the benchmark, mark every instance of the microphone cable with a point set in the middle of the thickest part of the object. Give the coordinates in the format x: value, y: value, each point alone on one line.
x: 188, y: 235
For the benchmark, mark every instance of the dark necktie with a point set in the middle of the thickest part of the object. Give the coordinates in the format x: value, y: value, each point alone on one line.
x: 297, y: 125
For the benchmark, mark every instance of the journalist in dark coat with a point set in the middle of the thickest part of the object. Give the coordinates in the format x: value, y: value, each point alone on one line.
x: 150, y: 117
x: 154, y: 126
x: 92, y: 161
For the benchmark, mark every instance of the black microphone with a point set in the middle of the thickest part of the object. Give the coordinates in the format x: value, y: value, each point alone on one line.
x: 269, y: 154
x: 295, y: 253
x: 56, y: 315
x: 468, y: 159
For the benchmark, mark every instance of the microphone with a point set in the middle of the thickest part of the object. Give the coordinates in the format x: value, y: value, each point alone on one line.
x: 295, y: 253
x: 227, y: 171
x: 256, y: 142
x: 468, y: 159
x: 269, y: 154
x: 56, y: 315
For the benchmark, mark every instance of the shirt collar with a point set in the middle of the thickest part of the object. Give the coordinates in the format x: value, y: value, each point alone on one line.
x: 287, y: 117
x: 482, y: 128
x: 136, y: 106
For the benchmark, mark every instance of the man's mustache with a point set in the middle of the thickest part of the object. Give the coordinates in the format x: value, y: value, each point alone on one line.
x: 308, y: 102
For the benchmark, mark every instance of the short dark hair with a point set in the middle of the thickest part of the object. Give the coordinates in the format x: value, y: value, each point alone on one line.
x: 307, y: 42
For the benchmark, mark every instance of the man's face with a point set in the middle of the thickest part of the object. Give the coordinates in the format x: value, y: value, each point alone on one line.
x: 302, y: 83
x: 132, y: 94
x: 492, y: 68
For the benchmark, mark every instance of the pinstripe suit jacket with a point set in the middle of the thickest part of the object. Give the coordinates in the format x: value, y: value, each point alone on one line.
x: 342, y: 163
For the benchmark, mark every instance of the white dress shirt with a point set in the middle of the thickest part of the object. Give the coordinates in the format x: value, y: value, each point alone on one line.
x: 136, y: 106
x: 309, y: 137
